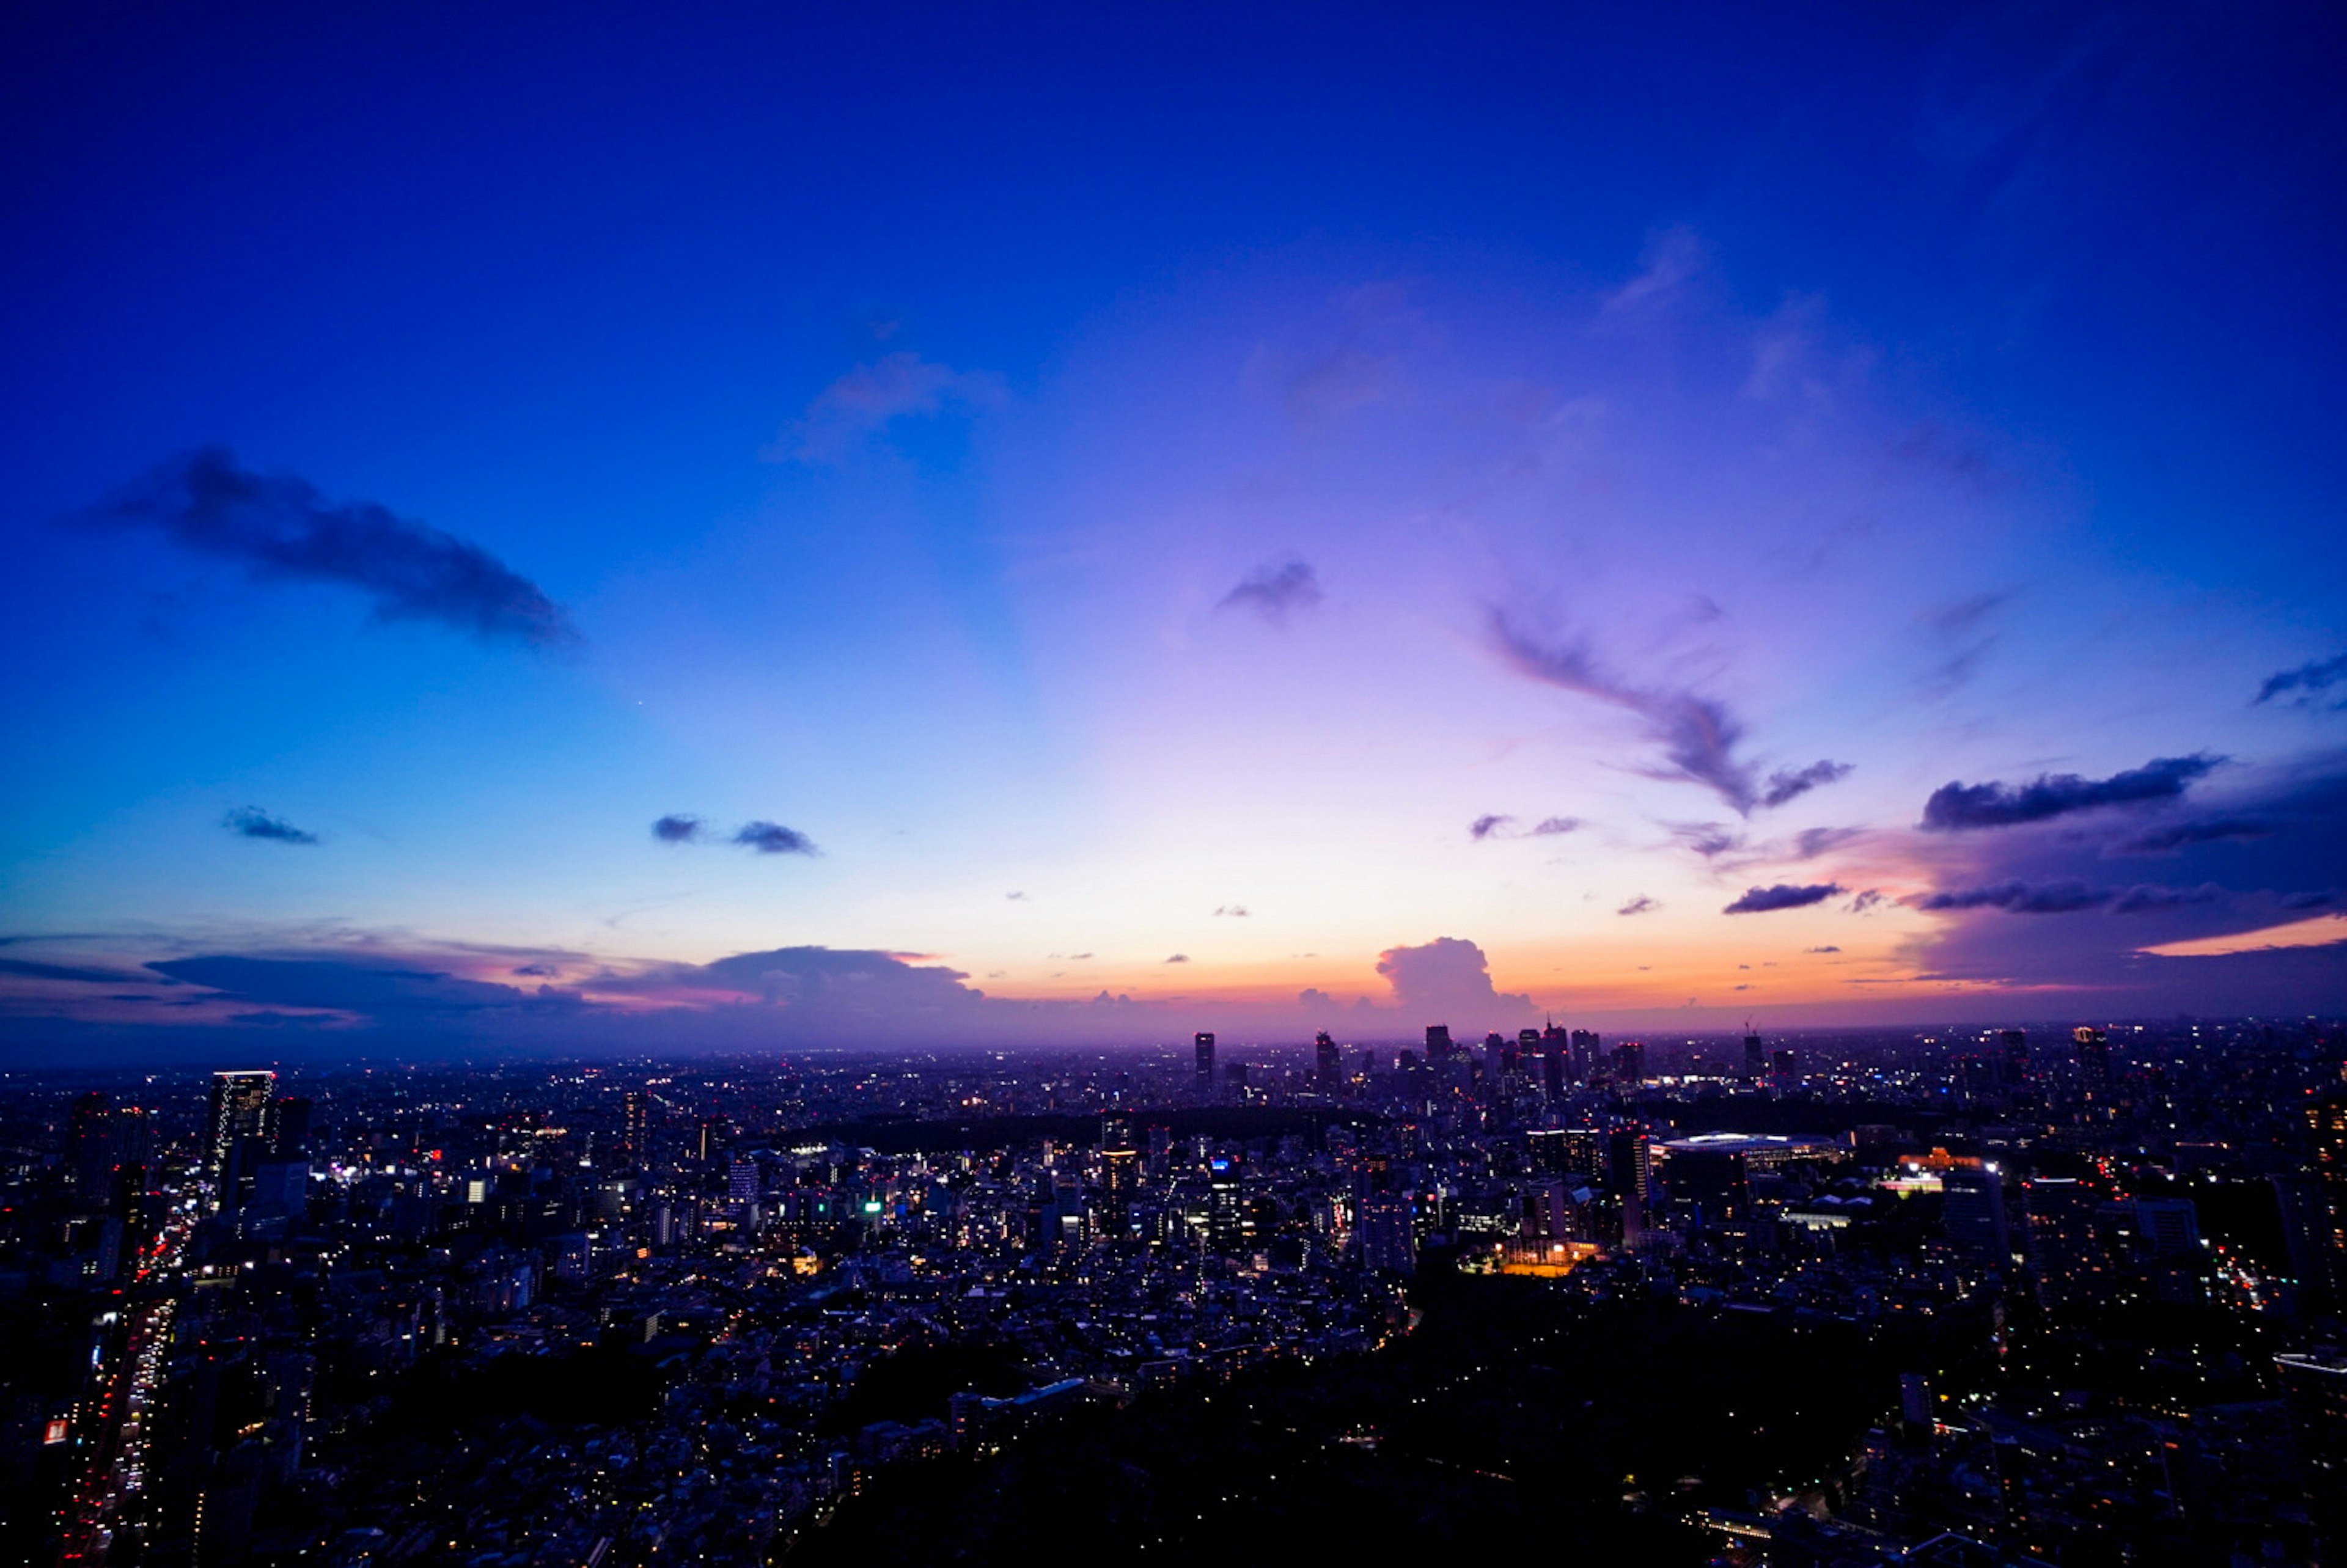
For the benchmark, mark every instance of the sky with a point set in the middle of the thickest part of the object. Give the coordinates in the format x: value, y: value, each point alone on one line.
x: 578, y: 527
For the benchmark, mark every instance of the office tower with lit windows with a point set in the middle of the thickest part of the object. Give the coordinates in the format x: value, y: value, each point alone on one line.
x: 1120, y: 1160
x: 1630, y: 1062
x: 235, y: 1127
x: 1202, y: 1043
x: 1527, y: 1048
x: 2094, y: 1060
x: 635, y: 1126
x: 89, y: 1146
x: 1567, y: 1152
x: 1782, y: 1068
x: 2065, y: 1251
x: 1585, y: 1046
x: 1326, y: 1068
x: 2314, y: 1393
x: 1972, y: 1214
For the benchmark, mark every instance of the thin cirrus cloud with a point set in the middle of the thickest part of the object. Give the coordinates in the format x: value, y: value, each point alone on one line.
x: 2306, y: 682
x: 870, y: 398
x: 766, y: 837
x: 1641, y: 904
x: 251, y: 822
x: 1956, y: 807
x: 1500, y: 825
x: 1275, y: 593
x: 1783, y: 896
x: 278, y: 527
x: 1699, y: 735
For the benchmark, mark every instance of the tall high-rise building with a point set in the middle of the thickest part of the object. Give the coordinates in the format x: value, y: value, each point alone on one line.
x: 1438, y: 1043
x: 2013, y: 1057
x: 1528, y: 1045
x: 1568, y: 1151
x: 635, y: 1127
x: 2314, y: 1393
x: 2065, y: 1251
x: 1630, y: 1062
x: 1584, y: 1055
x: 1120, y: 1160
x: 235, y: 1127
x: 1756, y: 1057
x: 2094, y: 1060
x: 90, y: 1145
x: 1203, y: 1044
x: 289, y: 1127
x: 1325, y: 1065
x: 1782, y: 1068
x: 1972, y: 1214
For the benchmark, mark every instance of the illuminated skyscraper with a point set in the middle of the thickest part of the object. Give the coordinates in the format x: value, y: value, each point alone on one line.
x: 236, y: 1126
x: 1203, y: 1043
x: 2314, y: 1391
x: 1326, y: 1067
x: 1630, y: 1062
x: 2094, y: 1060
x: 1584, y: 1055
x: 2013, y: 1047
x: 635, y: 1127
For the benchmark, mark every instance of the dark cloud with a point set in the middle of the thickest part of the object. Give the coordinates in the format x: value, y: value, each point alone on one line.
x: 280, y: 527
x: 2176, y: 835
x: 1866, y: 901
x: 2316, y: 898
x: 1699, y: 735
x: 845, y: 984
x: 2149, y: 896
x: 2306, y: 681
x: 772, y: 838
x: 282, y: 1020
x: 2021, y: 897
x: 1500, y: 827
x: 1827, y: 948
x: 677, y: 828
x: 1791, y: 784
x: 1550, y: 827
x: 1482, y: 827
x: 1641, y: 904
x: 1783, y: 896
x: 535, y: 972
x: 29, y: 970
x: 1179, y: 959
x: 377, y: 991
x: 1957, y: 808
x: 251, y: 822
x: 1448, y: 975
x: 1275, y: 592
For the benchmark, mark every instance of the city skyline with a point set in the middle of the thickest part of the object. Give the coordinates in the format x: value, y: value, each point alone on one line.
x: 622, y: 535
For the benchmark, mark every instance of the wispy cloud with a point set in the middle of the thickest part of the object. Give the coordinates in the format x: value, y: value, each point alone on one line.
x: 1641, y: 904
x: 2306, y: 681
x: 772, y: 838
x: 1483, y: 827
x: 1783, y: 896
x: 251, y: 822
x: 1959, y: 808
x: 872, y: 397
x: 1236, y: 911
x: 278, y: 527
x: 2021, y: 897
x: 2178, y: 835
x: 1276, y: 591
x: 1498, y: 826
x: 1699, y: 735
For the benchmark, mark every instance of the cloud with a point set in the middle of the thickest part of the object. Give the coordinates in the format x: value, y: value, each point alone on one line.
x: 872, y: 397
x: 2315, y: 898
x: 1276, y: 591
x: 1482, y: 827
x: 1812, y: 842
x: 2021, y: 897
x: 772, y: 838
x: 1179, y: 959
x: 1959, y: 808
x: 1448, y: 975
x: 2212, y: 830
x: 848, y: 985
x: 342, y: 985
x: 251, y: 822
x: 1791, y: 784
x: 2306, y: 681
x: 1314, y: 997
x: 535, y: 972
x: 1866, y: 901
x: 1827, y: 948
x: 1550, y: 827
x: 278, y: 527
x: 1672, y: 258
x: 2149, y: 896
x: 1236, y: 911
x: 1641, y: 904
x: 1016, y: 897
x: 677, y: 829
x: 1708, y: 839
x: 1699, y: 735
x: 1783, y: 896
x: 32, y: 970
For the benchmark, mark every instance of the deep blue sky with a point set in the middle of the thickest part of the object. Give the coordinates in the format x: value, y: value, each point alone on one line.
x: 890, y: 399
